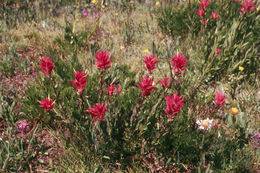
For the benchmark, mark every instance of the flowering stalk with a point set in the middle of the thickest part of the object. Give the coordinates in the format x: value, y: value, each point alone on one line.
x: 98, y: 112
x: 174, y: 104
x: 154, y: 108
x: 46, y: 65
x: 178, y: 63
x: 146, y: 86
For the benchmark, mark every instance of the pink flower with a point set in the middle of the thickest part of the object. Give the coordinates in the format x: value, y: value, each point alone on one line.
x: 214, y: 16
x: 85, y: 13
x: 96, y: 16
x: 174, y: 104
x: 110, y: 90
x: 200, y: 12
x: 150, y: 62
x: 218, y: 51
x: 204, y: 3
x: 22, y: 125
x: 102, y: 60
x: 119, y: 90
x: 256, y: 140
x: 165, y: 82
x: 146, y: 86
x: 178, y: 63
x: 47, y: 66
x: 204, y: 124
x: 80, y: 81
x: 204, y: 22
x: 47, y: 104
x: 247, y: 6
x: 220, y: 99
x: 98, y: 111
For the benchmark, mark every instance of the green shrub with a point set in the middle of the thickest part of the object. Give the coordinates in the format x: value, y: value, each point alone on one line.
x: 134, y: 126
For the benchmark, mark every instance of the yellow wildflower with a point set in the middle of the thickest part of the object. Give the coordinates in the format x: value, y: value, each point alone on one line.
x: 257, y: 9
x: 240, y: 68
x: 116, y: 14
x: 93, y: 1
x: 122, y: 47
x: 103, y: 6
x: 146, y: 50
x: 233, y: 111
x: 157, y: 3
x: 205, y: 124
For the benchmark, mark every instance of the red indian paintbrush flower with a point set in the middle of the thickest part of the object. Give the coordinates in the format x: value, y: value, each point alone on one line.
x: 165, y: 82
x: 47, y: 104
x: 146, y: 86
x: 80, y: 81
x: 47, y: 66
x: 178, y: 63
x: 119, y: 90
x: 98, y: 111
x: 220, y: 99
x: 150, y: 62
x: 247, y: 6
x: 200, y: 12
x: 102, y: 60
x: 110, y: 90
x: 174, y: 104
x: 214, y: 16
x: 204, y: 3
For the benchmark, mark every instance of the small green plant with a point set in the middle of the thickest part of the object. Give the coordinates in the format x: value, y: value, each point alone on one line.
x: 15, y: 146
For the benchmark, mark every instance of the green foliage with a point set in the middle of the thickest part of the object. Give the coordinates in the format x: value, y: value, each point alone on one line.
x: 10, y: 62
x: 14, y: 12
x: 72, y: 42
x: 179, y: 21
x: 129, y: 32
x: 126, y: 5
x: 238, y: 40
x: 15, y: 153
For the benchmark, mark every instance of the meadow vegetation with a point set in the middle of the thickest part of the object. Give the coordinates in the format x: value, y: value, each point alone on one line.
x: 129, y: 86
